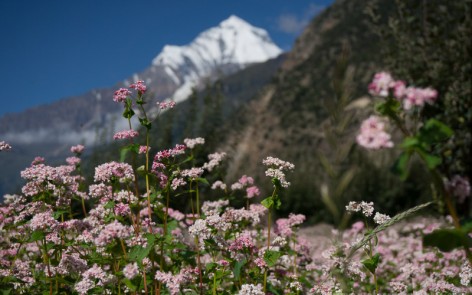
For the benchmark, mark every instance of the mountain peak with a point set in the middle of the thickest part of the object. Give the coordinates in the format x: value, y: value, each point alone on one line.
x: 234, y: 21
x: 233, y: 41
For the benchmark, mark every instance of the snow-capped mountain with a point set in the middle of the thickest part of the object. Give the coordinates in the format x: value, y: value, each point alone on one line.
x: 221, y: 50
x: 224, y: 49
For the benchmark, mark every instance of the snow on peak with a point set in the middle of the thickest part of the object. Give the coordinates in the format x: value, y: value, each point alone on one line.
x: 233, y: 42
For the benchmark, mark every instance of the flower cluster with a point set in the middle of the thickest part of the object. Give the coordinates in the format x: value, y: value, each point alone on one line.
x: 123, y: 172
x: 459, y: 187
x: 383, y: 85
x: 125, y: 134
x: 276, y: 169
x: 373, y: 135
x: 192, y: 142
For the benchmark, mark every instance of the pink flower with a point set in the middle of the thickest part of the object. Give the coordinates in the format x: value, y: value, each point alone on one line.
x: 122, y: 209
x: 144, y: 149
x: 77, y: 149
x: 131, y: 270
x: 191, y: 143
x: 252, y: 192
x: 176, y: 182
x: 219, y: 184
x: 73, y: 161
x: 215, y: 160
x: 166, y: 105
x: 139, y: 86
x: 121, y: 95
x: 37, y: 160
x: 372, y: 134
x: 381, y: 84
x: 125, y: 134
x: 114, y: 170
x: 459, y: 187
x: 192, y: 173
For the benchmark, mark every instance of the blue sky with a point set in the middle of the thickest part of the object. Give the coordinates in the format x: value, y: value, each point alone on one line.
x: 58, y: 48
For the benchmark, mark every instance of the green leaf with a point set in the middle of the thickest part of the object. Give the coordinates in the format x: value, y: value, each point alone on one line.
x: 58, y: 213
x: 128, y: 148
x: 271, y: 257
x: 371, y: 263
x: 237, y: 268
x: 431, y: 160
x: 138, y: 253
x: 6, y: 292
x: 129, y: 284
x: 268, y: 202
x: 410, y: 142
x: 388, y: 108
x: 128, y: 113
x: 203, y: 180
x: 37, y: 235
x: 434, y: 131
x: 447, y: 240
x: 400, y: 167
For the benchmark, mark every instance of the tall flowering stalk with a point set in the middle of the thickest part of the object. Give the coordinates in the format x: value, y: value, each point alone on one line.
x: 402, y: 105
x: 276, y: 169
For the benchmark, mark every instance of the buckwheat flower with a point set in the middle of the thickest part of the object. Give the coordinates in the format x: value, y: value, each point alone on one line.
x: 214, y: 207
x: 252, y: 192
x: 166, y: 105
x: 218, y: 184
x: 260, y: 263
x: 276, y: 162
x: 42, y: 221
x: 114, y: 170
x: 131, y: 270
x: 242, y: 242
x: 37, y: 161
x: 367, y: 208
x: 418, y: 97
x: 77, y: 149
x: 465, y: 274
x: 215, y: 160
x: 236, y: 186
x: 122, y: 209
x: 279, y: 175
x: 353, y: 207
x: 176, y: 182
x: 125, y: 134
x: 192, y: 173
x: 250, y: 289
x: 73, y: 161
x: 139, y: 86
x: 121, y: 95
x: 71, y: 263
x: 111, y: 231
x: 381, y: 84
x: 200, y: 230
x: 372, y: 134
x: 100, y: 191
x: 459, y: 187
x: 143, y: 149
x: 279, y: 241
x: 223, y: 262
x: 381, y: 218
x: 398, y: 286
x: 191, y: 143
x: 4, y: 147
